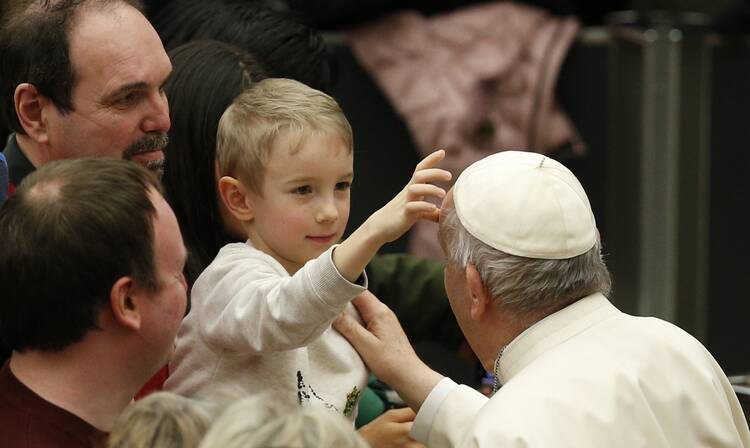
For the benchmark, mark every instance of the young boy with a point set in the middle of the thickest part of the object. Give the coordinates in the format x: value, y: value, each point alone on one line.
x: 261, y: 312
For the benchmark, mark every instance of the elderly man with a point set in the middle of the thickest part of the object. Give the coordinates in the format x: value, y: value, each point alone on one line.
x: 528, y: 287
x: 81, y: 78
x: 90, y: 318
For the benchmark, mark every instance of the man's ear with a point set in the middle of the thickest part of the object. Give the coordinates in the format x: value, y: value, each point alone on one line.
x: 235, y: 197
x: 30, y: 105
x: 480, y: 299
x: 124, y: 303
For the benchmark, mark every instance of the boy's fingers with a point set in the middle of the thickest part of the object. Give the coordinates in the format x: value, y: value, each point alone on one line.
x: 433, y: 216
x: 423, y: 207
x: 431, y: 159
x: 417, y: 191
x: 429, y: 175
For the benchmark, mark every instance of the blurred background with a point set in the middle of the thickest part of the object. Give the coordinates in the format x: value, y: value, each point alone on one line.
x: 646, y: 101
x: 658, y: 93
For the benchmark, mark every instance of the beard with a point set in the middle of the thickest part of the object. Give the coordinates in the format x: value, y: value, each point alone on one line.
x: 151, y: 142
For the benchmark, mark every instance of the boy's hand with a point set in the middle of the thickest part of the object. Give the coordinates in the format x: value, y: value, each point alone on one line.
x: 390, y: 429
x: 391, y: 221
x: 397, y: 216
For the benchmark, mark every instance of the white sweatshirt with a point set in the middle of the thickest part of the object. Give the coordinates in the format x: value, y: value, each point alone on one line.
x: 254, y: 329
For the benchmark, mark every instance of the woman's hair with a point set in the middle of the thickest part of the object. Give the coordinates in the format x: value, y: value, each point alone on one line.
x: 285, y: 47
x: 525, y: 285
x: 260, y: 422
x: 206, y: 77
x: 163, y: 420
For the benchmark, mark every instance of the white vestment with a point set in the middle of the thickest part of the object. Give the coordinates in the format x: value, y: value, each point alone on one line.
x: 592, y: 376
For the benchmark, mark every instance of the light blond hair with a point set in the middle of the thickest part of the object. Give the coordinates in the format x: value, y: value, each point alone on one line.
x: 162, y: 419
x: 261, y: 422
x: 271, y: 108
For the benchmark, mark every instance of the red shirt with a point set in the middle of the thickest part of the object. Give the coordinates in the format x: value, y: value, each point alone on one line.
x: 155, y: 384
x: 29, y: 421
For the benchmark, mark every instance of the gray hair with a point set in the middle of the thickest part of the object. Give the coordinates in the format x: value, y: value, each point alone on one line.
x: 262, y: 421
x: 524, y: 285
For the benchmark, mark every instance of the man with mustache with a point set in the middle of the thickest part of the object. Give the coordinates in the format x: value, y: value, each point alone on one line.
x: 81, y: 78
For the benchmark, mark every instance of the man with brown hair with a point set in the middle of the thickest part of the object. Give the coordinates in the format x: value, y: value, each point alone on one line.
x: 93, y: 293
x: 81, y: 78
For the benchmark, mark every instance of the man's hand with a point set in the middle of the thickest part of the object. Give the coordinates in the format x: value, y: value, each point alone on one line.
x: 386, y: 350
x: 391, y: 429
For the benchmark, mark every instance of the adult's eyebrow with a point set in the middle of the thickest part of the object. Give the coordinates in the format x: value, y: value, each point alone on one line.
x: 125, y: 89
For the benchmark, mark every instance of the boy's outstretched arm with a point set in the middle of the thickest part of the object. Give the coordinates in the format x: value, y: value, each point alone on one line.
x: 394, y: 219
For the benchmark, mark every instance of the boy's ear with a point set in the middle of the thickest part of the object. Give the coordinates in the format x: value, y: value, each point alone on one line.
x: 30, y: 105
x: 124, y: 303
x: 235, y: 197
x: 478, y: 296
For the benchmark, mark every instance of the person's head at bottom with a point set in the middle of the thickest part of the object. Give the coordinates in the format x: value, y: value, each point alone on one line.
x: 260, y: 422
x: 163, y: 419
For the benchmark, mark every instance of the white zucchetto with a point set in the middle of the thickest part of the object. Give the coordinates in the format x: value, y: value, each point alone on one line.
x: 525, y: 204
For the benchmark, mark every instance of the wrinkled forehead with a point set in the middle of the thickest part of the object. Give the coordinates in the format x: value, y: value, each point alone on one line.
x: 114, y: 46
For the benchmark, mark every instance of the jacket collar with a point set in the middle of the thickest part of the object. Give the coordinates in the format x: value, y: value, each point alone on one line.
x: 552, y: 331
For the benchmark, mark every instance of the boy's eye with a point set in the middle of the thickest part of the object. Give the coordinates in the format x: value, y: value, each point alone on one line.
x: 305, y: 189
x: 343, y: 185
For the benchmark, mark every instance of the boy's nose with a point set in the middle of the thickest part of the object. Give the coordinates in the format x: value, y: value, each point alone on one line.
x: 327, y: 213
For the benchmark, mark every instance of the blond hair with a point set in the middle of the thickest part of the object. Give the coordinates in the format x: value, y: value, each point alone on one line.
x: 162, y: 419
x: 273, y: 107
x: 261, y: 422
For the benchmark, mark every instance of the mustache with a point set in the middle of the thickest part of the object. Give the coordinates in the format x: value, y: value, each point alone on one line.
x: 156, y: 167
x: 151, y: 142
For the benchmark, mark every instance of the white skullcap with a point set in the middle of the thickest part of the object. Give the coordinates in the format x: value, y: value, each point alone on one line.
x: 525, y: 204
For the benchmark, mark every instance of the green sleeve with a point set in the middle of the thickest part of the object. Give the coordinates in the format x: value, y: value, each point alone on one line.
x: 413, y: 288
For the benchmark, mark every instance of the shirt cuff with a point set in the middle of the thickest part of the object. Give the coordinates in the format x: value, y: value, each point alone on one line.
x: 360, y: 281
x: 332, y: 288
x: 422, y: 426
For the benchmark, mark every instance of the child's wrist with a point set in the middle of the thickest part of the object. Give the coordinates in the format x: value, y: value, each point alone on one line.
x: 373, y: 234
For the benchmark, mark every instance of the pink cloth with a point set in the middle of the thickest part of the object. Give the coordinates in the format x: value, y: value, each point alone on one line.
x: 472, y: 82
